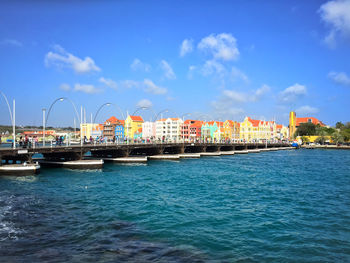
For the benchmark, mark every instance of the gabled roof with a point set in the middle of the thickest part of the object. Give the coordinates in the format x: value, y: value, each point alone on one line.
x: 114, y: 120
x: 230, y: 122
x: 136, y: 118
x: 255, y: 123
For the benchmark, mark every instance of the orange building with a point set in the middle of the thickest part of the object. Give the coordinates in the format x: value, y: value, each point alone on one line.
x: 295, y: 122
x: 191, y: 129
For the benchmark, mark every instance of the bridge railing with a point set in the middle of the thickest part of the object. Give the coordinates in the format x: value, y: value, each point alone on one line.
x: 69, y: 143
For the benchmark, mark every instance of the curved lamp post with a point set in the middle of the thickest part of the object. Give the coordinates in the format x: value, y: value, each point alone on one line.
x: 144, y: 108
x: 45, y: 118
x: 108, y: 104
x: 12, y: 117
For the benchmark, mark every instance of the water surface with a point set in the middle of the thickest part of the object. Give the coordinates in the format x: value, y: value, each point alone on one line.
x: 285, y: 206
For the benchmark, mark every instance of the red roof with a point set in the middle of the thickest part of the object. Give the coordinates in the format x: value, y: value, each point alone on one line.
x: 279, y: 126
x: 231, y: 122
x: 306, y: 119
x: 114, y: 120
x: 255, y: 123
x: 136, y: 118
x: 218, y: 123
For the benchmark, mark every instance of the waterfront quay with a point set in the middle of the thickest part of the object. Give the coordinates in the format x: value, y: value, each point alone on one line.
x: 92, y: 156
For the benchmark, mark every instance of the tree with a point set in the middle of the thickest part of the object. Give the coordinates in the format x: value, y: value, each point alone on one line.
x: 339, y: 125
x: 322, y: 137
x: 337, y: 137
x: 305, y: 139
x: 346, y: 134
x: 306, y: 129
x: 324, y: 130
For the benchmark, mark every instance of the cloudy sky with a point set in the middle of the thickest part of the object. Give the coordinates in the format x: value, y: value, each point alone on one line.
x: 212, y: 59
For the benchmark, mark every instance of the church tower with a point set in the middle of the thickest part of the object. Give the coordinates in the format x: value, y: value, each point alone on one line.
x: 292, y: 123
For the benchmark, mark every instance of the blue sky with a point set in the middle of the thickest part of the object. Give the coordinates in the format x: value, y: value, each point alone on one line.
x: 213, y: 59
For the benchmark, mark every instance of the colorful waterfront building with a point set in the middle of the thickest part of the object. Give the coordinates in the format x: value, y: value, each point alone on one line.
x: 191, y: 130
x: 97, y: 131
x: 282, y: 132
x: 119, y: 130
x: 256, y: 130
x: 113, y: 127
x: 138, y: 134
x: 231, y: 130
x: 91, y: 130
x: 218, y: 135
x: 169, y: 129
x: 209, y: 128
x: 132, y: 124
x: 148, y: 130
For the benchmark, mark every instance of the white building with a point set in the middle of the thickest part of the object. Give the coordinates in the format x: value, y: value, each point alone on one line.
x: 148, y: 130
x: 169, y: 129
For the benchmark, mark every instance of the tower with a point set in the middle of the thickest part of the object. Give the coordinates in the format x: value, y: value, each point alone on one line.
x: 292, y: 123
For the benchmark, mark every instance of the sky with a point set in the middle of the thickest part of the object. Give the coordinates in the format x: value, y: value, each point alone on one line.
x: 192, y: 59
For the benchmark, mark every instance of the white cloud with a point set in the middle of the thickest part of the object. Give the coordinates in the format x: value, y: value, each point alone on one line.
x: 109, y: 83
x: 306, y: 110
x: 129, y: 84
x: 186, y: 47
x: 293, y: 92
x: 139, y: 65
x: 235, y: 96
x: 11, y: 42
x: 237, y: 74
x: 90, y: 89
x: 144, y: 103
x: 150, y: 87
x: 61, y: 58
x: 213, y: 67
x: 226, y: 109
x: 222, y: 46
x: 168, y: 71
x: 340, y: 78
x: 336, y: 14
x: 65, y: 87
x: 261, y: 92
x: 230, y: 97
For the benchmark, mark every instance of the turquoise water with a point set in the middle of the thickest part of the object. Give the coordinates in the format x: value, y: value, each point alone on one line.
x: 284, y: 206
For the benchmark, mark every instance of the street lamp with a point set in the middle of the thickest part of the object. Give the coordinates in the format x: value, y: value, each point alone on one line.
x: 12, y: 117
x: 109, y: 104
x: 46, y: 118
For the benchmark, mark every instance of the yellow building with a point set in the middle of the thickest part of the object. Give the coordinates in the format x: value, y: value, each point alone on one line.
x: 231, y: 130
x: 312, y: 139
x: 132, y: 125
x: 282, y: 132
x: 219, y: 134
x: 255, y: 130
x: 91, y: 129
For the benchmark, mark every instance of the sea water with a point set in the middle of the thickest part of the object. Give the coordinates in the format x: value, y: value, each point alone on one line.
x: 284, y: 206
